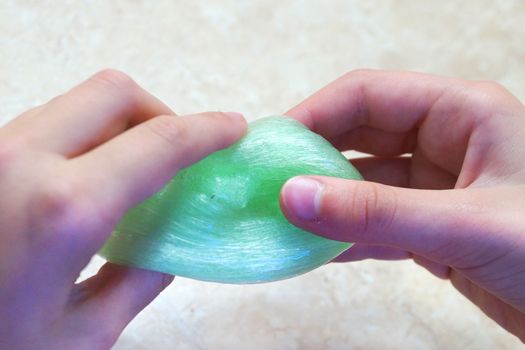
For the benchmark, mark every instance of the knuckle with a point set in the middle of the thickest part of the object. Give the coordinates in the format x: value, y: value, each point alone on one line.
x: 358, y: 81
x: 360, y: 73
x: 490, y: 86
x: 67, y: 215
x: 59, y: 203
x: 369, y: 207
x: 171, y: 129
x: 493, y: 91
x: 361, y: 204
x: 120, y: 86
x: 66, y: 206
x: 115, y: 78
x: 8, y: 153
x: 493, y: 94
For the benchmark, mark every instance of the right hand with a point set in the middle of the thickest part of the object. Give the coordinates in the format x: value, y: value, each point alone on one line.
x: 455, y: 205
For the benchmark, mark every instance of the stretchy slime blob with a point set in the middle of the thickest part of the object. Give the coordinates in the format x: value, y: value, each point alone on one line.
x: 220, y: 220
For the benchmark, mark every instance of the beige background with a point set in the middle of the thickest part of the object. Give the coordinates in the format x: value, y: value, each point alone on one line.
x: 262, y: 57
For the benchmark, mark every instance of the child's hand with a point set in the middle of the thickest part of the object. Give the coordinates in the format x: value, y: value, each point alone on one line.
x: 68, y: 171
x: 456, y: 205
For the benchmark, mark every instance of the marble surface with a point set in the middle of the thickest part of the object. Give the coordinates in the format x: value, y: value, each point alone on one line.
x: 260, y: 58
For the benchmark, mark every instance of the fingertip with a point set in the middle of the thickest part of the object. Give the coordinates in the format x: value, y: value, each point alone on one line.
x: 237, y: 126
x: 235, y: 123
x: 240, y: 121
x: 167, y: 279
x: 221, y: 128
x: 151, y: 282
x: 236, y: 116
x: 302, y: 115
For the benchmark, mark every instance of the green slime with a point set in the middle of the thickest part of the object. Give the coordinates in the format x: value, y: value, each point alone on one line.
x: 220, y: 220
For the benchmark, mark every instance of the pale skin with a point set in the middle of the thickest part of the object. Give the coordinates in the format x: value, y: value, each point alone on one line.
x: 454, y: 203
x: 69, y: 169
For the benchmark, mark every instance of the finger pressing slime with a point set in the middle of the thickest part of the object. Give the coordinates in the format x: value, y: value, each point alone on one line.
x: 220, y: 219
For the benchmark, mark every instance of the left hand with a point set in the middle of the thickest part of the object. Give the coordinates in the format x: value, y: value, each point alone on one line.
x: 69, y: 169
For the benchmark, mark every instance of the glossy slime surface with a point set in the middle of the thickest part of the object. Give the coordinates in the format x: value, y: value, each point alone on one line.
x: 220, y: 220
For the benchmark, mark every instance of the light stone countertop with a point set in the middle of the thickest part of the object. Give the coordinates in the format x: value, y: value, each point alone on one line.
x: 260, y: 58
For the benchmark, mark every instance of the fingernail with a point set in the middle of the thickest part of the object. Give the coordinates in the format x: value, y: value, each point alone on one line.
x: 302, y: 197
x: 234, y: 115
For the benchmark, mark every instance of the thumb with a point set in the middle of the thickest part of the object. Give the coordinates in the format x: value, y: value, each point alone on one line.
x: 440, y: 225
x: 109, y: 300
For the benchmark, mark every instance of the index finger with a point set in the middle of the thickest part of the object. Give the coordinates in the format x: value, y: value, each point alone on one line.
x: 392, y: 113
x: 388, y: 101
x: 88, y: 115
x: 137, y: 163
